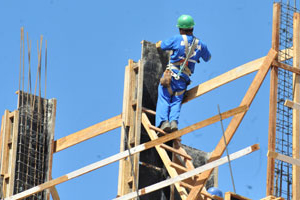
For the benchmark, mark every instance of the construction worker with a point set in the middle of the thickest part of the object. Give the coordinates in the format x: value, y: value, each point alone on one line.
x: 186, y: 51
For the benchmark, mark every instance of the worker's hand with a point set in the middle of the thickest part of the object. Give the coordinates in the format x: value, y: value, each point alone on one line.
x: 158, y: 44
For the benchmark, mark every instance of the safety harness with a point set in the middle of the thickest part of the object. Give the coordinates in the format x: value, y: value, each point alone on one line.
x: 189, y: 52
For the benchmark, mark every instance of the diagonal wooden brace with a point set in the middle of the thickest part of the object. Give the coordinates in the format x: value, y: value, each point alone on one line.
x: 235, y: 122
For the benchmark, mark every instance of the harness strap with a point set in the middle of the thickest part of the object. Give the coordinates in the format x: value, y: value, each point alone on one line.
x: 186, y: 44
x: 189, y: 53
x: 186, y: 70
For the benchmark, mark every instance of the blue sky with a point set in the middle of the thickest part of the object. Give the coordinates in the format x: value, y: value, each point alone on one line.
x: 89, y: 44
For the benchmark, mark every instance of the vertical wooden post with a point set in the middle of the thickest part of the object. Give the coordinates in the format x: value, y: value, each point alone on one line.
x: 51, y: 127
x: 122, y: 163
x: 273, y: 101
x: 13, y: 152
x: 138, y: 121
x: 296, y: 113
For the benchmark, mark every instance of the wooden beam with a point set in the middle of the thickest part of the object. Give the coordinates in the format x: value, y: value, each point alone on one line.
x: 285, y: 54
x: 5, y: 138
x: 125, y: 118
x: 87, y: 133
x: 286, y: 67
x: 235, y: 122
x: 54, y: 193
x: 138, y: 121
x: 292, y: 104
x: 181, y: 132
x: 164, y: 156
x: 236, y: 73
x: 51, y: 128
x: 124, y: 154
x: 223, y: 79
x: 230, y: 196
x: 189, y: 174
x: 171, y: 149
x: 212, y: 197
x: 147, y: 110
x: 284, y: 158
x: 13, y: 152
x: 296, y: 113
x: 273, y: 99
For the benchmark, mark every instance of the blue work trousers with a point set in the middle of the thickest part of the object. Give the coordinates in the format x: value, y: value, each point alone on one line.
x: 168, y: 106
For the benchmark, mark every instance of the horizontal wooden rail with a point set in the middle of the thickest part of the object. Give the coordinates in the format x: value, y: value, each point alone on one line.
x: 87, y: 133
x: 238, y: 72
x: 125, y: 154
x: 292, y: 104
x: 284, y: 158
x: 189, y: 174
x: 227, y: 77
x: 286, y: 67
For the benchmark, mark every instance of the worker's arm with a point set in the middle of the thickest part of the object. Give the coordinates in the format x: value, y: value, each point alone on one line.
x: 206, y: 55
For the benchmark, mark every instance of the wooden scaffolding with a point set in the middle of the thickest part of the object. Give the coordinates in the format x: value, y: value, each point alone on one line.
x: 187, y: 181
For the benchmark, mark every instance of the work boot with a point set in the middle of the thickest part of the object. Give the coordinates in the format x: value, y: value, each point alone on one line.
x: 165, y: 126
x: 174, y: 126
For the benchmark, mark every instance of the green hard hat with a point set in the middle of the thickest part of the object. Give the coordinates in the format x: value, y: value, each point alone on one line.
x: 185, y: 22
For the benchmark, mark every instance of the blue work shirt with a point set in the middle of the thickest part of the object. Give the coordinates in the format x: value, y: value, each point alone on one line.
x: 176, y: 44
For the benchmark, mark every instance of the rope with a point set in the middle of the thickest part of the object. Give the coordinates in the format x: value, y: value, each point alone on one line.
x: 229, y: 163
x: 131, y: 161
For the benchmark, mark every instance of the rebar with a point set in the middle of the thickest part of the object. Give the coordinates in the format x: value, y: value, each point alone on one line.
x: 284, y: 118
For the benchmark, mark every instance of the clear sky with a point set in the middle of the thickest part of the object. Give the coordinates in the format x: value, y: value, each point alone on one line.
x: 89, y: 44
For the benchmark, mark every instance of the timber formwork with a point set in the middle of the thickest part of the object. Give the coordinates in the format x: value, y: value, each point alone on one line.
x: 26, y: 145
x: 283, y: 177
x: 153, y: 165
x: 139, y: 140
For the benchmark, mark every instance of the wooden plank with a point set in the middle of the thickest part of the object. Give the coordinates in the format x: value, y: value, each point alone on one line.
x: 189, y: 174
x: 171, y: 149
x: 186, y: 185
x: 164, y: 156
x: 149, y: 111
x: 223, y: 79
x: 13, y: 153
x: 124, y: 154
x: 178, y: 168
x: 213, y: 197
x: 286, y: 67
x: 51, y: 128
x: 1, y: 140
x: 7, y: 154
x: 296, y: 113
x: 187, y: 163
x: 292, y: 104
x: 87, y: 133
x: 54, y: 193
x: 128, y: 114
x: 235, y: 122
x: 122, y: 163
x: 285, y: 54
x: 194, y: 127
x: 6, y: 134
x: 230, y: 196
x: 273, y: 99
x: 138, y: 122
x: 157, y: 129
x: 284, y: 158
